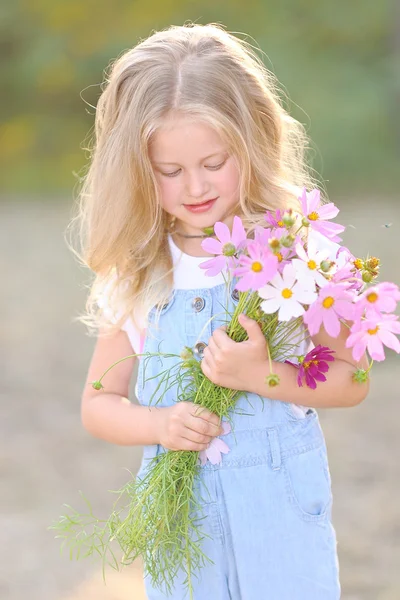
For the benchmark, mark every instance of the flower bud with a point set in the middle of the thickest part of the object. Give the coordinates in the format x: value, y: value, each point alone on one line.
x: 190, y: 362
x: 186, y: 353
x: 287, y: 240
x: 360, y: 375
x: 288, y: 219
x: 305, y: 222
x: 209, y: 230
x: 366, y: 276
x: 326, y: 265
x: 97, y: 385
x: 272, y: 380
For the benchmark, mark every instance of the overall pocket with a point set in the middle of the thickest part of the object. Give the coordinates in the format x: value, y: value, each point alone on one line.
x: 308, y: 483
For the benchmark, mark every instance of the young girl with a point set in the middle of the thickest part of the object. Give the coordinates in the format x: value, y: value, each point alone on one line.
x: 190, y: 131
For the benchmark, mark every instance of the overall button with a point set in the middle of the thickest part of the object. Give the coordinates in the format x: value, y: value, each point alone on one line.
x: 199, y: 348
x: 235, y: 295
x: 198, y: 304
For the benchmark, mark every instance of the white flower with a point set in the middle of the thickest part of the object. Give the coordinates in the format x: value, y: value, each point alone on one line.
x: 286, y: 295
x: 309, y: 262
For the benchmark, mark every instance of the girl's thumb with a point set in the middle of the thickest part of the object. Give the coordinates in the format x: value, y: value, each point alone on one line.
x: 249, y: 325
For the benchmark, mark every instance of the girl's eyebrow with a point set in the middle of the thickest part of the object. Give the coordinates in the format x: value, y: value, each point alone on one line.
x: 203, y: 159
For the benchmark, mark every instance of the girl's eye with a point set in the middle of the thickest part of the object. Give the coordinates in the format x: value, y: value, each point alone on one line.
x: 212, y: 168
x: 216, y: 167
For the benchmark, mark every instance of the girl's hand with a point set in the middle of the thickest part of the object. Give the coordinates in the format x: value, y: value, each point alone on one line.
x: 187, y: 426
x: 231, y: 364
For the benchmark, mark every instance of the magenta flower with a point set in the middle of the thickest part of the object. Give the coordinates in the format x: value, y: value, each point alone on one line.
x: 372, y: 334
x: 256, y: 269
x: 317, y: 214
x: 382, y: 297
x: 334, y: 301
x: 225, y: 247
x: 215, y: 448
x: 313, y: 366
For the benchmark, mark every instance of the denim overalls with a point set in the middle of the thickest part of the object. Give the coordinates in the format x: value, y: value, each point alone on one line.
x: 268, y: 504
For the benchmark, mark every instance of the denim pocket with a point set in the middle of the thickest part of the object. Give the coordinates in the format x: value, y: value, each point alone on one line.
x: 308, y: 483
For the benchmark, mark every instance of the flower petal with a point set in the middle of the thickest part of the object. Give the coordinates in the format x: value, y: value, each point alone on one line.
x: 270, y: 306
x: 328, y: 211
x: 222, y: 232
x: 238, y: 231
x: 211, y: 246
x: 331, y: 322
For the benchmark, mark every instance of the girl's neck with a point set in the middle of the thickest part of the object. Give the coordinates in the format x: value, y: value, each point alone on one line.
x: 192, y: 246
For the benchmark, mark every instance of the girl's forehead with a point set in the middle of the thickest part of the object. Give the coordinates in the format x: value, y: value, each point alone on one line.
x: 185, y: 136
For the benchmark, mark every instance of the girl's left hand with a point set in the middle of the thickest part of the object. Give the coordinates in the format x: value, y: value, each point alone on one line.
x: 231, y: 364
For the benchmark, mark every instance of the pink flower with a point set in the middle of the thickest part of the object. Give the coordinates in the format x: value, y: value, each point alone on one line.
x: 317, y: 214
x: 334, y: 301
x: 256, y: 269
x: 215, y: 448
x: 382, y: 297
x: 284, y: 254
x: 225, y: 247
x: 313, y: 366
x: 275, y: 219
x: 371, y: 334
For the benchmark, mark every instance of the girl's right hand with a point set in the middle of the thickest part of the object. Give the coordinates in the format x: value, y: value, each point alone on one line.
x: 187, y: 426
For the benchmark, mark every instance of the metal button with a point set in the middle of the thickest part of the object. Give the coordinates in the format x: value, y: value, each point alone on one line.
x: 198, y: 304
x: 235, y: 295
x: 199, y: 348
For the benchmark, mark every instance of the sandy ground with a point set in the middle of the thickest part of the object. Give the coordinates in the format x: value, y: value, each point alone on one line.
x: 46, y: 456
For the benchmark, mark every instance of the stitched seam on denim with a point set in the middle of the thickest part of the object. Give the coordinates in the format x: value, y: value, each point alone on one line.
x: 295, y: 503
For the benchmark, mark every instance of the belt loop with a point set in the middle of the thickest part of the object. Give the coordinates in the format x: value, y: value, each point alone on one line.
x: 275, y: 448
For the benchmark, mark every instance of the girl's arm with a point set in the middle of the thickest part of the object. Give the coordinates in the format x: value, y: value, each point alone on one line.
x: 107, y: 413
x: 339, y: 389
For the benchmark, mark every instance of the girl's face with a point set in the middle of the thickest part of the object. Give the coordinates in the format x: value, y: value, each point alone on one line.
x: 192, y: 165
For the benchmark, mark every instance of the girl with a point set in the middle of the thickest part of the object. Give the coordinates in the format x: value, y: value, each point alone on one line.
x: 190, y: 130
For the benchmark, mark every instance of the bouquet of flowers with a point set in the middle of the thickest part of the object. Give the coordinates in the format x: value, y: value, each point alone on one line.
x: 288, y: 283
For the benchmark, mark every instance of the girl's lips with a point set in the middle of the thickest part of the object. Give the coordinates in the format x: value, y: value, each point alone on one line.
x: 196, y: 208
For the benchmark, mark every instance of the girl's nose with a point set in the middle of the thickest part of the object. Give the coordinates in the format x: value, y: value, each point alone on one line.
x: 196, y: 185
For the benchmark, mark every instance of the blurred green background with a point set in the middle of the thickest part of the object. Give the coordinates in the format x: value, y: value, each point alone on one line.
x: 339, y: 65
x: 338, y: 62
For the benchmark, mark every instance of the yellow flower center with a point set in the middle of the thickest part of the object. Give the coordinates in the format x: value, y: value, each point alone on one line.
x: 372, y: 297
x: 373, y: 331
x: 279, y: 256
x: 281, y: 224
x: 358, y: 263
x: 328, y: 302
x: 312, y: 265
x: 314, y: 216
x: 256, y: 266
x: 286, y: 293
x: 308, y: 364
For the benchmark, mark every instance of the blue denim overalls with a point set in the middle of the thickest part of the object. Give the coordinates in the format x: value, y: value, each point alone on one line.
x: 268, y: 504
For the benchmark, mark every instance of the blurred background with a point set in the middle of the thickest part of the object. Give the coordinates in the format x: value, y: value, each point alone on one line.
x: 339, y: 66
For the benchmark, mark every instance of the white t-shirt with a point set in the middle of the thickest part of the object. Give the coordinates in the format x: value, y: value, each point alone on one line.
x: 187, y: 275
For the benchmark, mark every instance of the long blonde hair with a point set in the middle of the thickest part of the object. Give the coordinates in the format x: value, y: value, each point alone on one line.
x: 197, y: 70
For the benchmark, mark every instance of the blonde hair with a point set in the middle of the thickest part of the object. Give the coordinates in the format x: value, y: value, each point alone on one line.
x: 207, y: 73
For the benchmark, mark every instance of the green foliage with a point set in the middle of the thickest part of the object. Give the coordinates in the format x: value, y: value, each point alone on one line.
x: 336, y: 61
